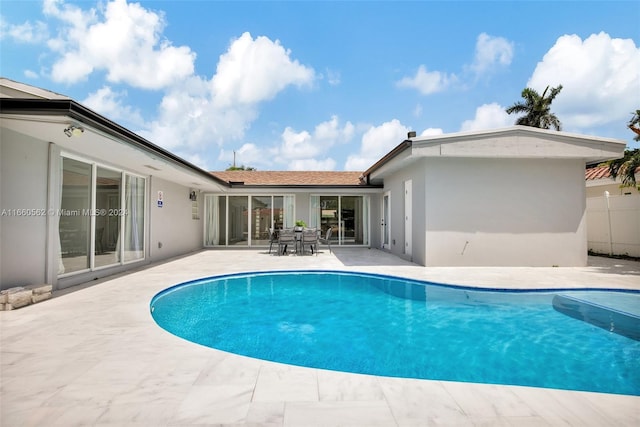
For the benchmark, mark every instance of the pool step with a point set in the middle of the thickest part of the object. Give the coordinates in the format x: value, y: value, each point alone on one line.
x: 609, y: 318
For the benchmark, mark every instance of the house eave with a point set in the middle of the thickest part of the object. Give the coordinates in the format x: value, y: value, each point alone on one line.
x: 391, y: 155
x: 513, y: 142
x: 84, y: 116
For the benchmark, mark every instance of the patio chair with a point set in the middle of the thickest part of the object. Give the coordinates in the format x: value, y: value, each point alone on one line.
x: 273, y: 238
x: 286, y: 237
x: 310, y: 237
x: 327, y: 239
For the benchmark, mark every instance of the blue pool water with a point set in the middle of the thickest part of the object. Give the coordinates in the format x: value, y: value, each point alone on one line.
x: 388, y: 326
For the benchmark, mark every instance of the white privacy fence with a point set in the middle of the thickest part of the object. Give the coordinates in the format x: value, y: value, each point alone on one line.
x: 613, y: 225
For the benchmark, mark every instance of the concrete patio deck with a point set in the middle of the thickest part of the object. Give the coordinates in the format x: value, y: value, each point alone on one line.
x: 92, y: 355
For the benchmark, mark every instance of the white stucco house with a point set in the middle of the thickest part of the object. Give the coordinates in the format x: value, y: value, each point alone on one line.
x: 505, y: 197
x: 82, y: 197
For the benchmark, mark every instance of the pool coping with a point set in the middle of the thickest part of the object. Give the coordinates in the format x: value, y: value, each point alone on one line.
x: 95, y: 356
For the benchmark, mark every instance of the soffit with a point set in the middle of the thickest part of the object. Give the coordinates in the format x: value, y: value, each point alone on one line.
x: 107, y: 149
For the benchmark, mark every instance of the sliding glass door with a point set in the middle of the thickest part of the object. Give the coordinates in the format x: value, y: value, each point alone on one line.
x: 75, y: 224
x: 261, y: 220
x: 101, y: 217
x: 107, y: 218
x: 347, y: 216
x: 238, y: 220
x: 245, y: 220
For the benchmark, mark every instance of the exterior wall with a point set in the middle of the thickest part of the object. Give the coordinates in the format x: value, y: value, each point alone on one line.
x: 29, y: 180
x: 596, y: 188
x: 172, y: 230
x: 23, y: 182
x: 302, y: 207
x: 613, y: 225
x: 505, y: 212
x: 375, y: 220
x: 395, y: 185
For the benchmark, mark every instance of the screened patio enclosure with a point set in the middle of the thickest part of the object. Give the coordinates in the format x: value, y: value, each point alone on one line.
x: 245, y: 220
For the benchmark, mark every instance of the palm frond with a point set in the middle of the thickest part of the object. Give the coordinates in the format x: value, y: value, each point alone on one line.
x: 626, y: 167
x: 537, y: 109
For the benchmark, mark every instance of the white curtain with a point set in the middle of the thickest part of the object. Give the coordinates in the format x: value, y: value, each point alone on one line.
x: 58, y: 242
x: 314, y: 212
x: 289, y: 211
x: 133, y: 219
x: 211, y: 226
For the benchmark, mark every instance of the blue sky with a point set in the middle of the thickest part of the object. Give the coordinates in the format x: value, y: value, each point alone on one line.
x: 304, y: 85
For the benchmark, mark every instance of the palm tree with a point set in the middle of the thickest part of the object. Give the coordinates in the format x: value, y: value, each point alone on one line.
x: 240, y: 168
x: 634, y: 125
x: 627, y: 166
x: 537, y: 109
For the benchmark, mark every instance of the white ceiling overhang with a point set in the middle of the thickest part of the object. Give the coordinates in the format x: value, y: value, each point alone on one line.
x: 112, y: 149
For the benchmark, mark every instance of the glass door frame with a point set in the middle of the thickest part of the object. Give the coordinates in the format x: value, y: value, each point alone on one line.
x: 385, y: 221
x: 338, y: 236
x: 227, y: 219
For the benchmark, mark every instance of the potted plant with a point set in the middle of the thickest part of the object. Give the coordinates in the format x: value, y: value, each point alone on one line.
x: 300, y: 225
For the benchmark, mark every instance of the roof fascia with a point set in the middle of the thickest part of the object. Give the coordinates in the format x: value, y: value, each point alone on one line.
x: 517, y: 130
x: 592, y: 149
x: 80, y: 113
x: 404, y: 145
x: 23, y: 90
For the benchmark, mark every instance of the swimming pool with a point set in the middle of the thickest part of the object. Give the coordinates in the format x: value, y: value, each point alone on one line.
x: 388, y: 326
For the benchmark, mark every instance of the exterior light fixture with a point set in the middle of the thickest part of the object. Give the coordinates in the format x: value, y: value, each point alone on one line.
x: 192, y: 196
x: 72, y: 130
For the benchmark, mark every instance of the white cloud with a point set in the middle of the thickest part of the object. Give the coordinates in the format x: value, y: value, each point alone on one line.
x: 600, y: 77
x: 297, y: 150
x: 30, y: 74
x: 28, y: 32
x: 195, y: 159
x: 327, y: 164
x: 432, y: 132
x: 329, y: 133
x: 491, y: 52
x: 376, y: 142
x: 488, y: 116
x: 300, y: 150
x: 428, y: 82
x: 297, y: 145
x: 252, y: 71
x: 333, y: 77
x: 250, y: 155
x: 198, y: 113
x: 124, y: 39
x: 188, y: 117
x: 110, y: 104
